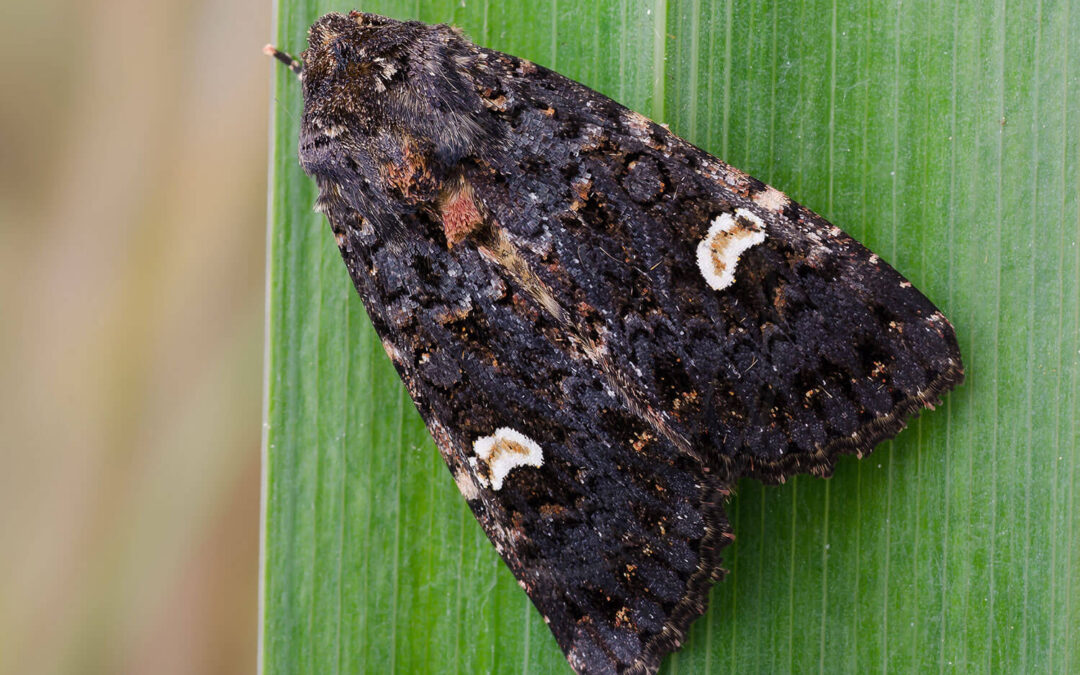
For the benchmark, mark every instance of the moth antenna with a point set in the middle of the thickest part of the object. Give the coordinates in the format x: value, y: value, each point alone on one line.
x: 284, y: 57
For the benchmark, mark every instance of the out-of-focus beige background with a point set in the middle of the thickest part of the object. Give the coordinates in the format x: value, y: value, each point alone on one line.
x: 133, y: 139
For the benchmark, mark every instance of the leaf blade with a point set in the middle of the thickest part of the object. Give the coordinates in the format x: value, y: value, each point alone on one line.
x: 371, y: 560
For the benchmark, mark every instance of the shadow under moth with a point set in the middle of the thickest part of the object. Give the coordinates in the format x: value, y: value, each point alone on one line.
x: 603, y: 326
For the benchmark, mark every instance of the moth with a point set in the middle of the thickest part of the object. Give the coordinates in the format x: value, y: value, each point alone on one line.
x: 603, y: 326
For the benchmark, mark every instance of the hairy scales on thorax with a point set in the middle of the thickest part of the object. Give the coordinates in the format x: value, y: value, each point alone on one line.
x: 603, y: 326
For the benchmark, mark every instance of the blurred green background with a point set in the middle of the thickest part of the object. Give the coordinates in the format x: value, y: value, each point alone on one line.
x: 133, y: 140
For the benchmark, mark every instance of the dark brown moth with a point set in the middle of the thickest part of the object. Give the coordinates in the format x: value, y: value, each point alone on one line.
x: 603, y: 326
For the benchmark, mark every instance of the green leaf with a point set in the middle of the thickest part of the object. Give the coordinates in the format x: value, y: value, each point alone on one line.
x: 944, y: 136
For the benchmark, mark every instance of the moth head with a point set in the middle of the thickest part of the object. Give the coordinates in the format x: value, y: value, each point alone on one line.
x: 367, y: 76
x: 352, y: 58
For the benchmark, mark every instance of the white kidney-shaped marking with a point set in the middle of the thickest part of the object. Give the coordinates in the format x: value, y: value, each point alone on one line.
x: 728, y: 238
x: 503, y: 451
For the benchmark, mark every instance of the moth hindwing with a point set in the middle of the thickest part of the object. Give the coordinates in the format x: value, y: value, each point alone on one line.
x: 603, y: 326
